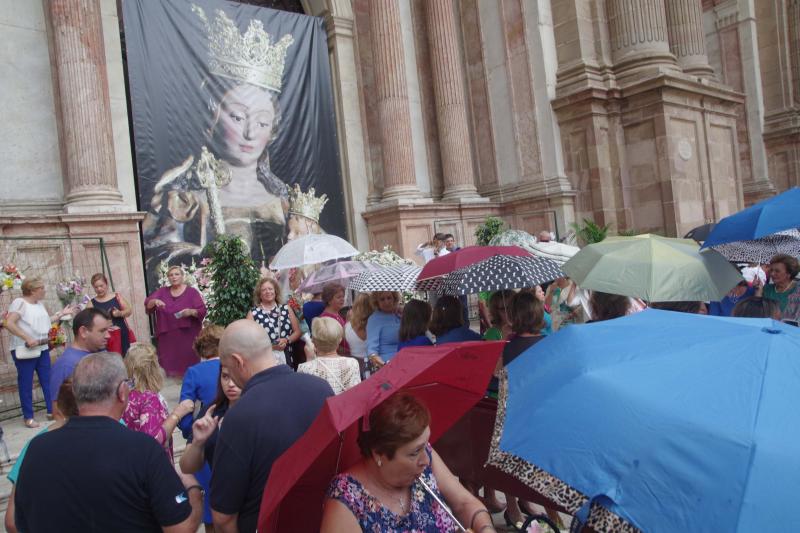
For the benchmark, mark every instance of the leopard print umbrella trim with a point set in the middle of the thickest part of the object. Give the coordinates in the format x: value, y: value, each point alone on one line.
x: 549, y: 486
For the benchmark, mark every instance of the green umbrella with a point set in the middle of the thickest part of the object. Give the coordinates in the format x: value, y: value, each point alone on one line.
x: 654, y: 268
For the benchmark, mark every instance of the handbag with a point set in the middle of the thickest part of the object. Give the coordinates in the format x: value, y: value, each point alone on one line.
x: 23, y: 352
x: 115, y: 335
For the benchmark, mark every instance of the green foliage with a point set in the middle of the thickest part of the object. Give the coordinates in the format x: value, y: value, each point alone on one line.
x: 485, y: 232
x: 628, y: 232
x: 233, y: 275
x: 589, y: 232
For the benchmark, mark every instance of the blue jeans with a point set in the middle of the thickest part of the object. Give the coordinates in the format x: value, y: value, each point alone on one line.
x: 25, y: 369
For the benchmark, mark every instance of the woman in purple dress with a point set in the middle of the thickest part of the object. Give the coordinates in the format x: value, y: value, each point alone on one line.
x: 179, y: 311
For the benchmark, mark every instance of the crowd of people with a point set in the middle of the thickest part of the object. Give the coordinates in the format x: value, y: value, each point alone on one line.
x: 267, y: 376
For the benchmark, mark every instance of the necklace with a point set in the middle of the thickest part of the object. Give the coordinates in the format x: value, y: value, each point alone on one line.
x: 400, y: 499
x: 788, y: 286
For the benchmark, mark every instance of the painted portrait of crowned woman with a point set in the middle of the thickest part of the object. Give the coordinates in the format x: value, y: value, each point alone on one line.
x: 227, y: 185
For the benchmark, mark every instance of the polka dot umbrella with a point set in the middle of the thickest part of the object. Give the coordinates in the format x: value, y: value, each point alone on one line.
x: 762, y: 250
x: 500, y: 272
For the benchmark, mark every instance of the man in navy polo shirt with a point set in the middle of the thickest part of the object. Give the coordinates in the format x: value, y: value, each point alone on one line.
x: 276, y: 407
x: 96, y: 475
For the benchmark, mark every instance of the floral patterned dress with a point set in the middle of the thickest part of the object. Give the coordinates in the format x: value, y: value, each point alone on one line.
x: 425, y: 516
x: 146, y: 413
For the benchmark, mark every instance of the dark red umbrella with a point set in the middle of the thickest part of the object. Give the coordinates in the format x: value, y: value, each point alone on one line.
x: 449, y: 379
x: 466, y: 257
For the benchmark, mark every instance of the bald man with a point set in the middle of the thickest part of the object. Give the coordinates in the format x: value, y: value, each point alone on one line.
x: 275, y: 409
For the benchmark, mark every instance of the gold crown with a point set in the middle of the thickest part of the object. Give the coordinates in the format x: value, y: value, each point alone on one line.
x: 306, y: 204
x: 251, y: 57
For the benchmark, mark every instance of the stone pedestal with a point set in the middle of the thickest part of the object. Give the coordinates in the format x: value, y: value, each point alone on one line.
x: 87, y: 142
x: 392, y: 96
x: 659, y: 155
x: 120, y: 234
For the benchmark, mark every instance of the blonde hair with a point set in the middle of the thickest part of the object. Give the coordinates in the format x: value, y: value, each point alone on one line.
x: 142, y: 365
x: 360, y: 312
x: 326, y: 333
x: 176, y: 267
x: 275, y: 285
x: 373, y: 298
x: 31, y: 284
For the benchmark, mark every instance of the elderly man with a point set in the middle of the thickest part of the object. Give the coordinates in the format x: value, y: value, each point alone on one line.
x: 93, y: 474
x: 90, y: 331
x: 276, y: 407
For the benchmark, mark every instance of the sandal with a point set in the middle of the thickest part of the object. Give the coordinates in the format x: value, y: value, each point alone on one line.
x: 31, y: 423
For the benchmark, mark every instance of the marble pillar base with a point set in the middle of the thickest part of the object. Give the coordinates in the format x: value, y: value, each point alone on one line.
x: 658, y: 154
x: 120, y: 234
x: 404, y: 226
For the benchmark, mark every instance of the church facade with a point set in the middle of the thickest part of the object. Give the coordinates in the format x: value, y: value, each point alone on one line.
x: 649, y: 115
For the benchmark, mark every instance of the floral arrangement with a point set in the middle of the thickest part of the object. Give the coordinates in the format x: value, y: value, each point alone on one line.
x: 385, y: 257
x: 56, y: 336
x: 71, y: 291
x: 194, y: 276
x: 10, y: 277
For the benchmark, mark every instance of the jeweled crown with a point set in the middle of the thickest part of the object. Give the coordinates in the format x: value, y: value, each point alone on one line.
x: 251, y: 58
x: 306, y: 204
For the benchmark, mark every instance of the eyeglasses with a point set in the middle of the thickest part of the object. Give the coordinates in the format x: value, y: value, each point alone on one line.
x: 130, y: 382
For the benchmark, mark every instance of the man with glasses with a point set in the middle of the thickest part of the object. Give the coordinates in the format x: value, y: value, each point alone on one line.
x: 93, y: 474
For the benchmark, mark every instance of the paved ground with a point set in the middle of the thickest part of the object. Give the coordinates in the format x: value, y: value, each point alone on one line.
x: 16, y: 435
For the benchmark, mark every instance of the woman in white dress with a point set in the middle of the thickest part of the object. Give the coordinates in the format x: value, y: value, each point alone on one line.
x: 341, y: 372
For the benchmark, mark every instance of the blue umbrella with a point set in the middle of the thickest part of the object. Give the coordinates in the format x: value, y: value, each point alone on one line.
x: 768, y: 216
x: 673, y: 422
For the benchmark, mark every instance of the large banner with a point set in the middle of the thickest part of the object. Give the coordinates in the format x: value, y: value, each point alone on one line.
x: 234, y: 127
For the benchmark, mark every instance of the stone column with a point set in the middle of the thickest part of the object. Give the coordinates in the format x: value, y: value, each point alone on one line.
x: 87, y: 140
x: 794, y: 46
x: 392, y: 95
x: 687, y: 38
x: 638, y: 32
x: 449, y: 93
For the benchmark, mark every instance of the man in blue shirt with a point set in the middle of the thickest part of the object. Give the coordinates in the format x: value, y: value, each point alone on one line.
x: 90, y: 331
x: 276, y: 407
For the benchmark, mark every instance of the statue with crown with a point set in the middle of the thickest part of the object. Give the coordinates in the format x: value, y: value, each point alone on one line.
x: 228, y: 186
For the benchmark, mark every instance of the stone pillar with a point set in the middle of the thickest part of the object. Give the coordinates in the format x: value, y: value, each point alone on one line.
x: 687, y: 38
x: 794, y: 46
x: 87, y: 141
x: 638, y: 34
x: 392, y: 95
x: 451, y: 101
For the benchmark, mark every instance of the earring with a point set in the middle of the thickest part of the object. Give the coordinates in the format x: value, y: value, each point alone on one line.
x: 380, y: 464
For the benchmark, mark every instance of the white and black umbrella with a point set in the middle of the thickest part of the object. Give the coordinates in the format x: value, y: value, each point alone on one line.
x: 762, y: 250
x: 392, y: 278
x: 500, y: 272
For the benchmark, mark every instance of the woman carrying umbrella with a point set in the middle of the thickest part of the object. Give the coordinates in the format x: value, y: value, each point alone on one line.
x: 396, y: 485
x: 782, y: 270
